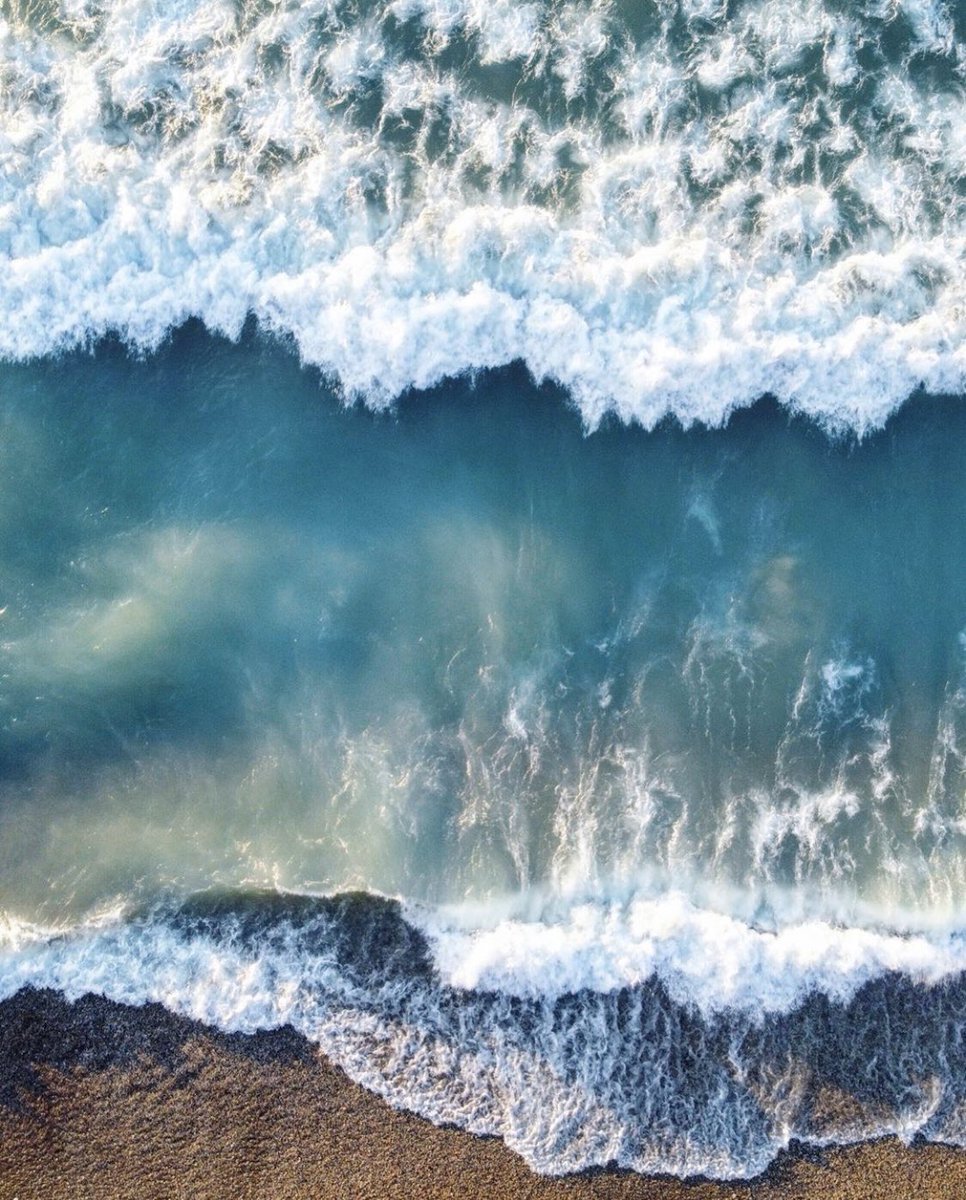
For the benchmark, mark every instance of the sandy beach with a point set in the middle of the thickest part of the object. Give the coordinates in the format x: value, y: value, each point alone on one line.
x: 102, y: 1100
x: 482, y: 599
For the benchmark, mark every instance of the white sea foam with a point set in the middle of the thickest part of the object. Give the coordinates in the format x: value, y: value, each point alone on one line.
x: 704, y: 958
x: 555, y: 1082
x: 728, y: 224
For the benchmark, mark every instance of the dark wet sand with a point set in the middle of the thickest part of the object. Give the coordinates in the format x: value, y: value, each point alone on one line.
x: 101, y: 1100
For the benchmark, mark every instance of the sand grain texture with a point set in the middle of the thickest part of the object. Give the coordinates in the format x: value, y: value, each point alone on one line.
x: 102, y: 1101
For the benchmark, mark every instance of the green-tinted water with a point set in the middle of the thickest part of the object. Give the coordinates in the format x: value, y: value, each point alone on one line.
x: 463, y: 649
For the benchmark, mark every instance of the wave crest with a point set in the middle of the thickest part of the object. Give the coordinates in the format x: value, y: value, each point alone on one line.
x: 676, y: 214
x: 633, y: 1075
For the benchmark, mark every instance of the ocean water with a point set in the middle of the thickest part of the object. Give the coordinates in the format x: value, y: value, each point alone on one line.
x: 481, y: 573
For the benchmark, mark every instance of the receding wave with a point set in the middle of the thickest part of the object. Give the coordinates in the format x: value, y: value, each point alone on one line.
x: 603, y: 793
x: 665, y: 207
x: 632, y: 1075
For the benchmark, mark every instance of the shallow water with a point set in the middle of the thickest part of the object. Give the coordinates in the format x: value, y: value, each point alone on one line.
x: 465, y: 650
x: 389, y: 505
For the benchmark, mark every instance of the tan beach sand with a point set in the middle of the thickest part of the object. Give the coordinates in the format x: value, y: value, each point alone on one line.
x: 99, y: 1100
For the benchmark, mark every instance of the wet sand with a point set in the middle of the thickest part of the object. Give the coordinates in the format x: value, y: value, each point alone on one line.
x: 101, y: 1100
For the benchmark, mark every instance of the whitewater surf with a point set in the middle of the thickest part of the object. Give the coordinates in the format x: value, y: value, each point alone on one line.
x: 479, y: 539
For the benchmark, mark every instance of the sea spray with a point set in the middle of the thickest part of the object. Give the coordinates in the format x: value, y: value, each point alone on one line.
x: 664, y: 207
x: 630, y: 1075
x: 595, y: 786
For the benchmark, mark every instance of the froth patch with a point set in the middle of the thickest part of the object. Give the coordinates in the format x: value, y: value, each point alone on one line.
x: 704, y: 958
x: 630, y: 1076
x: 667, y: 249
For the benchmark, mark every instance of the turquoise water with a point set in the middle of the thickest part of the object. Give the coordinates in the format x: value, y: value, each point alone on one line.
x: 505, y: 462
x: 463, y: 649
x: 656, y: 737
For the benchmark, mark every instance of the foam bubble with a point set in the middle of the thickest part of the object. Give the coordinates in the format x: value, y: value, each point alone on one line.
x: 703, y: 957
x: 661, y: 219
x: 632, y: 1075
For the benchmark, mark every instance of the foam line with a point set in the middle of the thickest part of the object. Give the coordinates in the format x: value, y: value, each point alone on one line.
x: 677, y: 218
x: 634, y: 1075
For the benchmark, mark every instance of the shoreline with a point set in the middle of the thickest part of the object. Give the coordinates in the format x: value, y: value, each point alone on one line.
x: 101, y: 1100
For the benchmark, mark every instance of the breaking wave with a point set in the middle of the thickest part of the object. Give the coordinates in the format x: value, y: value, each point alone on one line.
x: 636, y: 1074
x: 665, y: 207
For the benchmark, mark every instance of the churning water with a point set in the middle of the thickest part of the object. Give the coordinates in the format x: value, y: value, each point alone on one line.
x: 574, y: 748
